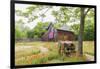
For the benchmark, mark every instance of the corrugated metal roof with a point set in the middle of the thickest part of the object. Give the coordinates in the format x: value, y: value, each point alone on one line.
x: 65, y: 27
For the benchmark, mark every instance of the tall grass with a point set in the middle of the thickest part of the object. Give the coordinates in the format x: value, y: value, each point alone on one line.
x: 34, y: 56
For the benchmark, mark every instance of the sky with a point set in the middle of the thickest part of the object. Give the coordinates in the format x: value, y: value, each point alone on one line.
x: 48, y: 17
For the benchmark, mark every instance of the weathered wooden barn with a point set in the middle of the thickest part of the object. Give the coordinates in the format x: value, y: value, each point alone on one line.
x: 53, y: 34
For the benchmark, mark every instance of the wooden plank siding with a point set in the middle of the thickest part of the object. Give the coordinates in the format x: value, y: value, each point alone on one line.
x: 58, y: 34
x: 65, y: 35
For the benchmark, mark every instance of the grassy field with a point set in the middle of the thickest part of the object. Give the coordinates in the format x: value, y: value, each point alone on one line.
x: 88, y: 47
x: 46, y: 52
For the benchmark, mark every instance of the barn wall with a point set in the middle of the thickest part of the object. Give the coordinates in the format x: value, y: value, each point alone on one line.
x: 62, y: 35
x: 45, y: 37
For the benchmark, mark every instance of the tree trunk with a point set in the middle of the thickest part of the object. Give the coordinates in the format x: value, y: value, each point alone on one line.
x: 81, y: 32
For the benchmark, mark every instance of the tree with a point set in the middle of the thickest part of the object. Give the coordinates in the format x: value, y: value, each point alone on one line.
x: 88, y: 30
x: 84, y: 12
x: 62, y: 16
x: 38, y: 30
x: 20, y: 29
x: 75, y: 28
x: 30, y: 34
x: 33, y: 12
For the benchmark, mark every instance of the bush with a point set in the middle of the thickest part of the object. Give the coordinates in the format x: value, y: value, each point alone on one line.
x: 53, y: 55
x: 40, y: 60
x: 35, y: 51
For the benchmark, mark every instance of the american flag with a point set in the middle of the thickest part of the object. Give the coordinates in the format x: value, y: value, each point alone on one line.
x: 51, y: 35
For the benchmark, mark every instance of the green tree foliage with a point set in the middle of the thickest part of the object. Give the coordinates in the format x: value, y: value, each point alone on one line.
x: 18, y: 33
x: 88, y: 26
x: 30, y: 34
x: 31, y: 12
x: 20, y: 30
x: 62, y: 16
x: 40, y: 28
x: 75, y: 28
x: 88, y: 31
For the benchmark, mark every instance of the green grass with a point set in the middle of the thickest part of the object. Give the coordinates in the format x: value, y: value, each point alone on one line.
x: 35, y: 43
x: 26, y: 52
x: 35, y: 51
x: 88, y: 47
x: 39, y: 60
x: 34, y: 56
x: 75, y: 59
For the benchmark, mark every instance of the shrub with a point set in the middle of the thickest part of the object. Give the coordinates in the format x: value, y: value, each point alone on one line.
x: 35, y: 51
x: 40, y: 60
x: 53, y: 55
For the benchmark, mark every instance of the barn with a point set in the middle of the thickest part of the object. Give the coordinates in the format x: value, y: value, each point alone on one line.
x: 62, y: 33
